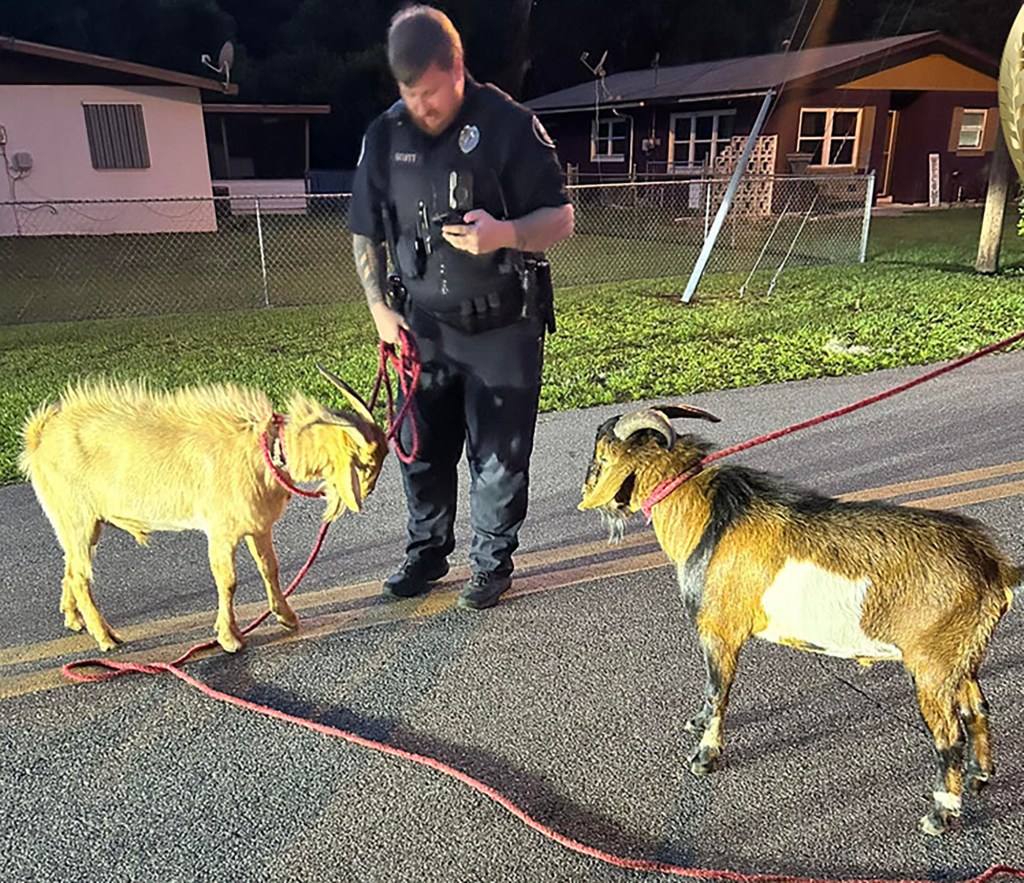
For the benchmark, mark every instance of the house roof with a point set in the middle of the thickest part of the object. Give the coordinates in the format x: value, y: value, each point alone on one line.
x: 759, y: 73
x: 124, y: 71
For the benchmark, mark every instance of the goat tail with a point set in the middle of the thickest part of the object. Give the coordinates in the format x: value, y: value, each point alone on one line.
x: 32, y: 435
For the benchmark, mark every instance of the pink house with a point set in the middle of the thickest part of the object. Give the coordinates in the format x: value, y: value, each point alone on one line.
x: 76, y: 127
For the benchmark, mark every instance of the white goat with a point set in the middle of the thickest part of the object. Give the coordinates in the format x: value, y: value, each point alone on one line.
x: 143, y: 461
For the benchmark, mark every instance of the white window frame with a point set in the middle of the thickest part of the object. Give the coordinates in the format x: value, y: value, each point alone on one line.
x: 979, y: 128
x: 689, y: 146
x: 602, y: 133
x: 826, y: 138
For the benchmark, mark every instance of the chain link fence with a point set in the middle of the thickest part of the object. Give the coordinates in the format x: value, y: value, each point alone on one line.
x: 65, y: 260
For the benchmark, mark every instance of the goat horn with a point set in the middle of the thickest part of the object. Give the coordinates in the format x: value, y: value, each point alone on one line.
x: 672, y: 411
x: 353, y: 397
x: 627, y: 424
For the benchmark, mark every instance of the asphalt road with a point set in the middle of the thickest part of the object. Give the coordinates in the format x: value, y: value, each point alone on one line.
x: 569, y: 697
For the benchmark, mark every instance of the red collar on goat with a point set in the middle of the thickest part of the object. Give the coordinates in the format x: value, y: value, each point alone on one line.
x: 664, y: 488
x: 277, y: 424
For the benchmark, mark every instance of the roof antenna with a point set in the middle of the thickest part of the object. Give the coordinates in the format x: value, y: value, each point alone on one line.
x: 598, y: 70
x: 225, y: 60
x: 599, y: 73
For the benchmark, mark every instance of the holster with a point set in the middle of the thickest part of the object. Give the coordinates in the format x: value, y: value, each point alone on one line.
x: 539, y: 293
x: 397, y: 295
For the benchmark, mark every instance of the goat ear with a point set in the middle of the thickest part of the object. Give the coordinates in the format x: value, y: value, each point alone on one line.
x: 357, y: 486
x: 350, y: 489
x: 674, y: 411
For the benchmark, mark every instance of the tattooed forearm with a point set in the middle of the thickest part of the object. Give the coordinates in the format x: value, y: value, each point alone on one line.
x: 371, y: 265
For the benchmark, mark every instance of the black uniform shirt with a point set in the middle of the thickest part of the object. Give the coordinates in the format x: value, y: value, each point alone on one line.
x: 514, y: 170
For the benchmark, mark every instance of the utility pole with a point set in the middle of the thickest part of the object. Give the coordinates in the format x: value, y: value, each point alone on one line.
x: 995, y: 208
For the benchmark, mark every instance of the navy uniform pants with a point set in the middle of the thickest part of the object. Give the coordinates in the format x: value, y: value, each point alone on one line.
x: 477, y: 392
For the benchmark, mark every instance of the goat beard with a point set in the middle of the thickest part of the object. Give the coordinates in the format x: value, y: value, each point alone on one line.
x: 615, y: 518
x: 617, y: 512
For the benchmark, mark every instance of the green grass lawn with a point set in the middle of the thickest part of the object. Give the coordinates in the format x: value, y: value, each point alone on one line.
x: 916, y: 300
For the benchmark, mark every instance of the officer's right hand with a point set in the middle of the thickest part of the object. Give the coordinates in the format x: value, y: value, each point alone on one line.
x: 388, y: 322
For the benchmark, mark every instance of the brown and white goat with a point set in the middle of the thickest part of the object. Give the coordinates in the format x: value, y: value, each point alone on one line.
x: 143, y: 461
x: 867, y: 581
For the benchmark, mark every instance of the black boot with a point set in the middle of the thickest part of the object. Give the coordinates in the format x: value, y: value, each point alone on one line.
x: 414, y: 578
x: 483, y: 590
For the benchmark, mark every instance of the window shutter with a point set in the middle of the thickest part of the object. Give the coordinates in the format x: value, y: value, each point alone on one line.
x: 117, y: 136
x: 954, y: 129
x: 988, y: 137
x: 867, y: 136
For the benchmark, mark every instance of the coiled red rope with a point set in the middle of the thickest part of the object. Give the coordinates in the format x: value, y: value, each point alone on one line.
x: 405, y: 361
x: 666, y: 487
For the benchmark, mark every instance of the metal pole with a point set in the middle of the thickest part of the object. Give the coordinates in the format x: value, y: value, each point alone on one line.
x: 707, y: 205
x: 263, y: 255
x: 869, y: 198
x: 224, y: 143
x: 764, y: 249
x: 730, y: 192
x: 792, y: 245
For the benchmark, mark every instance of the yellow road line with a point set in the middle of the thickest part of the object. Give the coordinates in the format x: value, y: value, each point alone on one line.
x: 939, y: 481
x: 201, y: 622
x: 317, y: 626
x: 538, y: 572
x: 971, y: 496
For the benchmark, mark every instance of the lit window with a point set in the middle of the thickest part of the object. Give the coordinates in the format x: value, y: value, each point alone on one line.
x: 829, y: 136
x: 117, y: 136
x: 972, y: 128
x: 697, y: 138
x: 609, y: 139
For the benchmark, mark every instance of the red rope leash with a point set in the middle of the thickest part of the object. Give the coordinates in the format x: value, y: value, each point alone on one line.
x: 406, y: 365
x: 670, y: 484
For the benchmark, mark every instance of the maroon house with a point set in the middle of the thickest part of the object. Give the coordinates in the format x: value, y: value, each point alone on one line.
x: 916, y: 110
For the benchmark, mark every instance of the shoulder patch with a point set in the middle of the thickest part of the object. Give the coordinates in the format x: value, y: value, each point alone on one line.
x: 541, y: 133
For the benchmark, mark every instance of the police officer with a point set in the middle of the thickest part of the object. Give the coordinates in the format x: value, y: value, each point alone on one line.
x: 463, y: 186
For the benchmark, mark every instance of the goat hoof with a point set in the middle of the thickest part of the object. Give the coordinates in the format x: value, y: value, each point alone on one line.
x: 230, y: 643
x: 288, y: 619
x: 705, y: 760
x: 933, y: 824
x: 109, y: 641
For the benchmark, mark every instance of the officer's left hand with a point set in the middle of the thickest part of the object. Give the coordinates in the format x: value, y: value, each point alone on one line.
x: 481, y: 233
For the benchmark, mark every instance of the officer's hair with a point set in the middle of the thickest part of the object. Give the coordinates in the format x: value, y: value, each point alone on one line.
x: 420, y: 36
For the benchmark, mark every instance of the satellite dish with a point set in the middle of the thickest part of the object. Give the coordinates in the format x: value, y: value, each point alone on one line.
x: 225, y: 60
